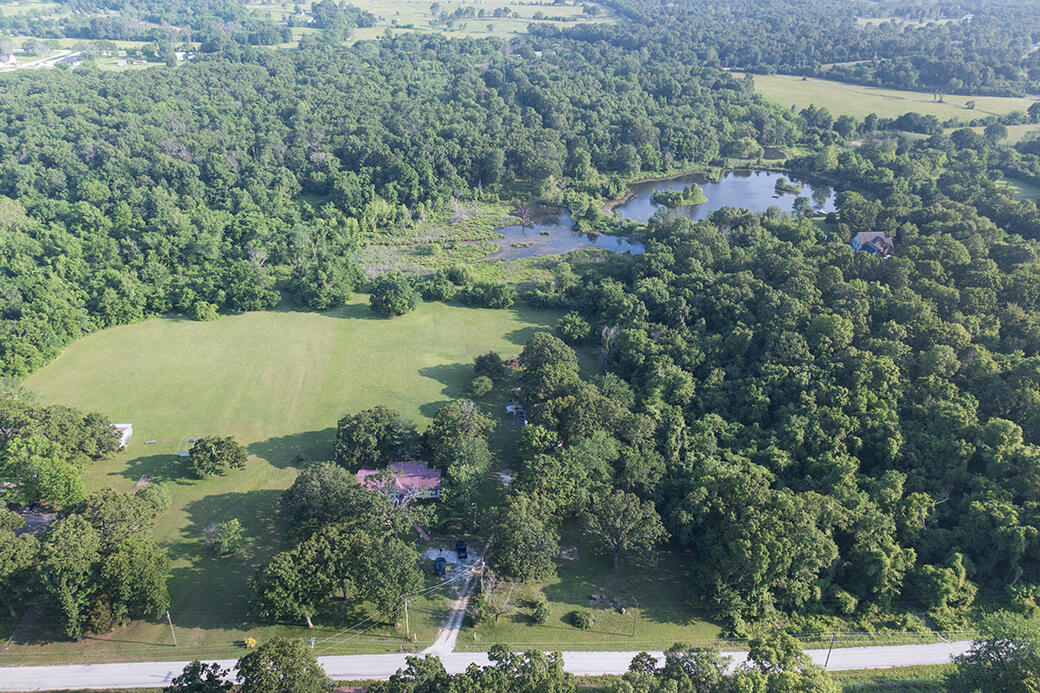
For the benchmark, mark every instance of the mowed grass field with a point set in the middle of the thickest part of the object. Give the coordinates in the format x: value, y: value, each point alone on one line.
x: 278, y: 382
x: 662, y: 587
x: 855, y: 100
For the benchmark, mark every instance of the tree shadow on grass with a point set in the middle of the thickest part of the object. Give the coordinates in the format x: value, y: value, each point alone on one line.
x: 168, y: 467
x: 295, y: 449
x: 355, y: 311
x: 521, y: 336
x: 455, y: 377
x: 430, y: 409
x: 337, y: 613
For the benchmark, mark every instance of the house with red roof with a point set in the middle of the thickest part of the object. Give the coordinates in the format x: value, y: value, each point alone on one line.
x: 403, y: 480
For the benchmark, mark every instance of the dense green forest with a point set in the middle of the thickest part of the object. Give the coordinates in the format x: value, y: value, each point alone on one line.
x: 833, y: 440
x: 205, y: 187
x: 984, y: 47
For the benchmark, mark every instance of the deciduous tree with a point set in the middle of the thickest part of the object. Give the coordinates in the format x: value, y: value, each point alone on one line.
x: 282, y: 666
x: 215, y: 456
x: 619, y: 522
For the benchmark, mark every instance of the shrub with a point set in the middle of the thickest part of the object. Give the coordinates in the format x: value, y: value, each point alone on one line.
x: 224, y: 537
x: 542, y: 614
x: 204, y: 311
x: 439, y: 288
x: 392, y: 295
x: 480, y: 386
x: 572, y: 328
x: 491, y: 365
x: 461, y: 275
x: 101, y: 618
x: 583, y: 619
x: 480, y: 610
x: 488, y: 295
x: 157, y: 496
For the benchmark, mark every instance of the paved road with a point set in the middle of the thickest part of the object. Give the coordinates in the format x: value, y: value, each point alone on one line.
x: 47, y: 61
x: 353, y: 667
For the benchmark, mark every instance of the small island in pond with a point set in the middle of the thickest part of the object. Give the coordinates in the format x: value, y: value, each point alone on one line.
x: 782, y: 186
x: 690, y: 195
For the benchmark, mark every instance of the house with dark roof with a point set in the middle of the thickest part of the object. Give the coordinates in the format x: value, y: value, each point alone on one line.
x: 403, y: 481
x: 874, y: 242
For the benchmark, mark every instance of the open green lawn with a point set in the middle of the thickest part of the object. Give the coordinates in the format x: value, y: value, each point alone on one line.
x: 1022, y: 190
x: 277, y: 381
x: 663, y: 591
x: 841, y: 98
x: 895, y: 680
x: 76, y: 43
x: 1017, y: 133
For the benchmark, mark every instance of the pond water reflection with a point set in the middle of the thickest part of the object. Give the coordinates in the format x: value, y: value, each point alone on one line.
x: 754, y: 190
x: 553, y: 234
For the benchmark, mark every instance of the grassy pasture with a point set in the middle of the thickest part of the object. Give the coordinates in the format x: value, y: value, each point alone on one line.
x: 859, y: 101
x: 1017, y: 133
x: 399, y: 13
x: 20, y: 7
x: 401, y: 16
x: 277, y: 381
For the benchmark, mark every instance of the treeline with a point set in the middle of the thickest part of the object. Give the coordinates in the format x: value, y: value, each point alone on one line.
x: 43, y: 450
x: 1003, y: 658
x: 94, y: 567
x: 223, y: 184
x: 984, y: 48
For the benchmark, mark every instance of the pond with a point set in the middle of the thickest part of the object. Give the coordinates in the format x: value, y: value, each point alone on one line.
x: 553, y: 234
x: 754, y: 190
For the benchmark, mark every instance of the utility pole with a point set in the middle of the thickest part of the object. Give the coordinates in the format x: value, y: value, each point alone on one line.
x: 829, y: 649
x: 635, y: 619
x: 407, y: 630
x: 172, y: 634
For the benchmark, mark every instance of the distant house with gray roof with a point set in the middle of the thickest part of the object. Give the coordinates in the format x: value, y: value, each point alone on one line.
x: 874, y: 242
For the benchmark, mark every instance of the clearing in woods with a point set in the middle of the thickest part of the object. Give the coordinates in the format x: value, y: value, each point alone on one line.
x: 841, y: 98
x: 278, y: 382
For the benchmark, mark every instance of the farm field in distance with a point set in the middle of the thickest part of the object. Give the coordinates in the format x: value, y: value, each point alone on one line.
x: 278, y: 382
x: 841, y: 98
x: 415, y: 15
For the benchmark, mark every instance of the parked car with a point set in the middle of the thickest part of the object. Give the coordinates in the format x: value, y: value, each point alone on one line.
x: 439, y: 565
x: 460, y: 549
